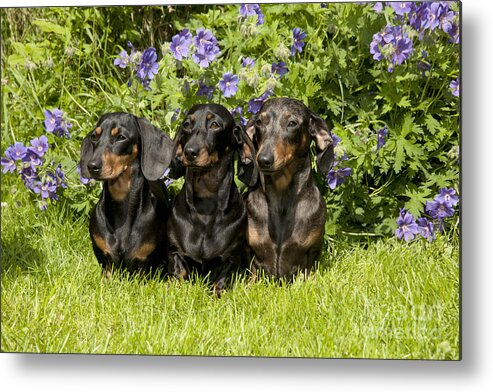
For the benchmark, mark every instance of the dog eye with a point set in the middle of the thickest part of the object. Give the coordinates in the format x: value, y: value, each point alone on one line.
x: 292, y: 124
x: 94, y: 137
x: 121, y: 138
x: 214, y: 126
x: 258, y: 123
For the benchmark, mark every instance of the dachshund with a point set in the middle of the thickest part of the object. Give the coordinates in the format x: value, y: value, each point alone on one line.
x: 128, y: 225
x: 286, y: 211
x: 207, y: 225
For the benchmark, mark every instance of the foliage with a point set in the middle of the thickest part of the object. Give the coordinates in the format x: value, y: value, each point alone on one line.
x: 337, y: 58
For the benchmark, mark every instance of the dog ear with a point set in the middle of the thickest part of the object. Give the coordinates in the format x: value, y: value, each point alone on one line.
x: 247, y: 164
x: 156, y: 150
x: 320, y: 133
x: 86, y: 152
x: 177, y: 168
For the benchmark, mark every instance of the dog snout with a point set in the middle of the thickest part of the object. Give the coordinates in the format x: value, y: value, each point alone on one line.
x: 94, y: 166
x: 191, y: 153
x: 265, y: 159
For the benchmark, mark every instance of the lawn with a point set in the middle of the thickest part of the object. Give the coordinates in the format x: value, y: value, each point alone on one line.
x: 381, y: 299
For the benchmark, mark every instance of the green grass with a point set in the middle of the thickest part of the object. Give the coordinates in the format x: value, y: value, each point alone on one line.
x: 382, y: 300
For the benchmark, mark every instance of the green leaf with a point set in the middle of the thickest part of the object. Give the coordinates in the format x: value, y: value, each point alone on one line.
x: 404, y: 102
x: 432, y: 124
x: 399, y: 156
x: 49, y: 27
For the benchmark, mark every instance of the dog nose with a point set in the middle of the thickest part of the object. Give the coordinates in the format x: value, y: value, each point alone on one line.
x: 191, y: 153
x: 93, y: 166
x: 265, y: 160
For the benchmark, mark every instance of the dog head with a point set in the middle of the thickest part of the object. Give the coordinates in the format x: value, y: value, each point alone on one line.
x: 118, y: 141
x: 207, y: 134
x: 282, y: 132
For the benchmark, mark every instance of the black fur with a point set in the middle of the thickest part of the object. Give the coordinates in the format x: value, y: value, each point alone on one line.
x: 128, y: 224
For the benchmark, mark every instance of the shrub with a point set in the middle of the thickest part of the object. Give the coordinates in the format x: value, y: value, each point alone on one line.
x: 384, y: 75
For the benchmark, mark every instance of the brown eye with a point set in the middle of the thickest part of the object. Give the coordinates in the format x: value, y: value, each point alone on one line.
x: 214, y: 126
x: 186, y: 126
x: 94, y: 137
x: 121, y: 138
x: 292, y: 124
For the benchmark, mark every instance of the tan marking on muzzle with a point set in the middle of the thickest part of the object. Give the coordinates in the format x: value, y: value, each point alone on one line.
x: 204, y: 159
x: 114, y: 165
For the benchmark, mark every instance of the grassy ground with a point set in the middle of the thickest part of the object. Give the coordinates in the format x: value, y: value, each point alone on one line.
x: 383, y: 300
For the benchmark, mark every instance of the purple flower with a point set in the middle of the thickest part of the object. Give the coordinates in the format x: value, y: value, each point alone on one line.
x: 447, y: 195
x: 174, y: 117
x: 335, y: 140
x: 407, y: 226
x: 393, y: 44
x: 298, y: 37
x: 59, y: 177
x: 123, y: 60
x: 205, y: 41
x: 28, y: 176
x: 229, y: 84
x: 207, y: 48
x: 31, y: 160
x: 439, y: 209
x: 205, y: 90
x: 450, y: 25
x: 56, y: 124
x: 381, y: 135
x: 134, y: 57
x: 255, y: 104
x: 402, y: 7
x: 455, y: 87
x: 168, y: 181
x: 402, y: 50
x: 39, y: 145
x: 47, y: 188
x: 83, y: 180
x: 279, y: 68
x: 432, y: 20
x: 148, y: 66
x: 8, y: 162
x: 418, y: 15
x: 180, y: 45
x: 378, y: 7
x: 337, y: 177
x: 247, y: 62
x: 185, y: 33
x: 17, y: 151
x: 375, y: 50
x: 238, y: 111
x: 252, y: 10
x: 426, y: 229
